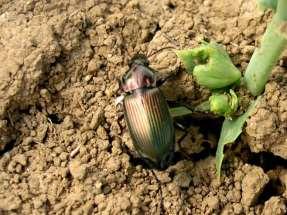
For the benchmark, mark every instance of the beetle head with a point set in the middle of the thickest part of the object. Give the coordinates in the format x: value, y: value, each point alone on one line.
x: 139, y: 75
x: 139, y: 59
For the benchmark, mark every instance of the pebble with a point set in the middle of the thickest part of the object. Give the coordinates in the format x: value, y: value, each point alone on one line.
x: 21, y: 159
x: 253, y: 184
x: 77, y: 170
x: 182, y: 179
x: 212, y: 202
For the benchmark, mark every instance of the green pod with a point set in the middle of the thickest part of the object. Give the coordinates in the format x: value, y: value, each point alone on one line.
x: 150, y: 125
x: 223, y: 104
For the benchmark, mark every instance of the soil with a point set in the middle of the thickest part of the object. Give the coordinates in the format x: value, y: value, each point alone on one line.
x: 65, y: 148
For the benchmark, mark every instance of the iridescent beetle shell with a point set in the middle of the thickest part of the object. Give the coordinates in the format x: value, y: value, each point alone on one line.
x: 147, y: 115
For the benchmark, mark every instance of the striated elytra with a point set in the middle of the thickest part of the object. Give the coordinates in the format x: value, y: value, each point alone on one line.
x: 147, y: 114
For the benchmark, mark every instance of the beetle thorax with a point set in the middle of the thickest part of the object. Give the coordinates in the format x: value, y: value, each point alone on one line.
x: 138, y: 77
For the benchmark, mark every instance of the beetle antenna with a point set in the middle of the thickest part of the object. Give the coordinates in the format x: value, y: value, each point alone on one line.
x: 159, y: 50
x: 172, y: 41
x: 179, y: 142
x: 175, y: 44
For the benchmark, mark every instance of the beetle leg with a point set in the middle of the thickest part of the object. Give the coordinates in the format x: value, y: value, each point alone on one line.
x: 161, y: 81
x: 119, y: 100
x: 181, y: 150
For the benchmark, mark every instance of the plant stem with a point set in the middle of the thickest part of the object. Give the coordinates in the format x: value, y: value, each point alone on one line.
x: 271, y: 4
x: 265, y: 57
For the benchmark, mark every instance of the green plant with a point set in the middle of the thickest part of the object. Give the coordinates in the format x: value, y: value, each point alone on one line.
x: 230, y: 131
x: 210, y: 65
x: 223, y: 104
x: 212, y: 68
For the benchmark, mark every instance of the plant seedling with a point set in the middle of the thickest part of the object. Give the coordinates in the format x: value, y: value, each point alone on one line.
x: 213, y: 69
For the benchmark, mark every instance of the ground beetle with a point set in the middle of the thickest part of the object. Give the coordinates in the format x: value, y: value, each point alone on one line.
x: 147, y: 115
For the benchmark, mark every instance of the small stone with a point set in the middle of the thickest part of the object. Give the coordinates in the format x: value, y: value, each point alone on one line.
x: 124, y: 203
x: 93, y: 66
x: 87, y: 78
x: 238, y: 175
x: 102, y: 133
x: 96, y: 119
x: 237, y: 186
x: 67, y: 123
x: 64, y: 156
x: 59, y: 86
x: 27, y: 141
x: 237, y: 208
x: 110, y: 91
x: 233, y: 196
x: 253, y: 184
x: 212, y: 202
x: 77, y: 169
x: 18, y: 168
x: 21, y: 159
x: 163, y: 177
x: 57, y: 161
x: 11, y: 166
x: 103, y: 144
x: 10, y: 203
x: 58, y: 150
x: 113, y: 164
x: 136, y: 202
x: 215, y: 183
x: 45, y: 94
x: 197, y: 190
x: 98, y: 187
x: 38, y: 202
x: 227, y: 210
x: 275, y: 206
x: 153, y: 187
x: 115, y: 128
x: 182, y: 179
x: 33, y: 133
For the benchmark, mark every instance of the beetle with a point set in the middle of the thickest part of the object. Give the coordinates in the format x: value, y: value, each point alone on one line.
x: 147, y: 114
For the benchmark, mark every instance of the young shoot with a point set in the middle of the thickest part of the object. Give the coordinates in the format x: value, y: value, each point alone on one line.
x: 223, y: 104
x: 230, y: 131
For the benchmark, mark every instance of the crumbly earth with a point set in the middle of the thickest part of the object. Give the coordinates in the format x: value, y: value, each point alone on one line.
x: 271, y: 115
x: 65, y: 148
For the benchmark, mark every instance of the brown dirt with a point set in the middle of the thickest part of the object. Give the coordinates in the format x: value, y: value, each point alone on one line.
x: 267, y: 129
x: 66, y: 146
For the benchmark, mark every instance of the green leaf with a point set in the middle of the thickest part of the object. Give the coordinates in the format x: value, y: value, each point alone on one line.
x: 179, y: 111
x: 203, y: 107
x: 186, y: 56
x: 210, y: 65
x: 230, y: 131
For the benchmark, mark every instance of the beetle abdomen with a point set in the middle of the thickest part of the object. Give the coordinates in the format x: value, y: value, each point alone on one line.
x: 150, y: 123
